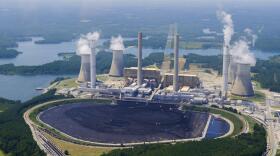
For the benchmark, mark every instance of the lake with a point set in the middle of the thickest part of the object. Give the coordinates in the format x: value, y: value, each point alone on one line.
x: 23, y: 87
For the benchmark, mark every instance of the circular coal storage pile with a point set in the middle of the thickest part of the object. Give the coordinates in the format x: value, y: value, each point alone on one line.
x: 127, y: 122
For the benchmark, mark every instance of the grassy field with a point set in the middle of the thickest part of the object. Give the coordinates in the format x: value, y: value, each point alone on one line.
x: 191, y: 45
x: 278, y: 152
x: 251, y: 123
x: 259, y: 97
x: 79, y: 150
x: 68, y: 83
x: 2, y: 153
x: 3, y: 107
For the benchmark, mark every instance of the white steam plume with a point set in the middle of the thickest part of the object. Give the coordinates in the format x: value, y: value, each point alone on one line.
x: 228, y: 30
x: 241, y: 53
x: 83, y: 46
x: 251, y: 35
x: 117, y: 43
x: 93, y: 38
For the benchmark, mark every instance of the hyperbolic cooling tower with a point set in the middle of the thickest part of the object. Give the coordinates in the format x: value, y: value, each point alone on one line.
x: 84, y: 75
x: 139, y: 71
x: 117, y: 48
x: 176, y: 64
x: 226, y: 60
x: 232, y: 69
x: 242, y: 85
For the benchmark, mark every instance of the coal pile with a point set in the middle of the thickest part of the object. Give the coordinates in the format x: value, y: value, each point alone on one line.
x: 128, y: 122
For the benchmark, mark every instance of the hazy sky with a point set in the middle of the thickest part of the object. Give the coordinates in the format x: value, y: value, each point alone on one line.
x: 29, y: 4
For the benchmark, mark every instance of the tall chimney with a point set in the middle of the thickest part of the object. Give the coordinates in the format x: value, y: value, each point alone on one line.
x: 176, y: 65
x: 226, y: 60
x: 93, y: 65
x: 139, y: 71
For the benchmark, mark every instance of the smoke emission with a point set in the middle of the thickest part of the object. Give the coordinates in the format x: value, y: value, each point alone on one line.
x: 117, y: 43
x: 228, y: 30
x: 241, y: 53
x: 253, y: 37
x: 93, y: 37
x: 83, y: 46
x: 240, y: 50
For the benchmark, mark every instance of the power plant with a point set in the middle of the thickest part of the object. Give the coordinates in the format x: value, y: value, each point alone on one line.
x: 242, y: 85
x: 117, y: 65
x: 151, y: 84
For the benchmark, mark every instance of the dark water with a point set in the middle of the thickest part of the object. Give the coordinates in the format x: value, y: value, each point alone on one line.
x: 217, y: 127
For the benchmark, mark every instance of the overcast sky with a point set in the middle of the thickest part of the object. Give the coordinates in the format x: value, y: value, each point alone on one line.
x: 111, y: 3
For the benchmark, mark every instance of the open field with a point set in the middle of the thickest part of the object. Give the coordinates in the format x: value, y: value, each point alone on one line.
x: 78, y: 150
x: 2, y: 153
x: 68, y: 83
x: 3, y: 107
x: 278, y: 152
x: 259, y: 97
x: 251, y: 123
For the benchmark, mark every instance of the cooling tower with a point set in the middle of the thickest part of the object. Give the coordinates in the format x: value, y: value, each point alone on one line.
x: 117, y: 64
x: 232, y: 69
x: 226, y: 60
x: 139, y: 71
x: 84, y: 75
x: 176, y: 64
x: 242, y: 85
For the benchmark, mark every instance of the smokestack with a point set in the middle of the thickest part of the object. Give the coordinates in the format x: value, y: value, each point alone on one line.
x: 226, y: 60
x: 92, y: 38
x: 242, y: 85
x: 84, y: 75
x: 176, y: 63
x: 139, y: 71
x: 93, y: 66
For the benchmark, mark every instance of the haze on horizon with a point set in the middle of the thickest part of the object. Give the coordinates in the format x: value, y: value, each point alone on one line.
x: 31, y: 4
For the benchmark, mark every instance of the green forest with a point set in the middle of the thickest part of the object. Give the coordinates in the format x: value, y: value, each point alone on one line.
x: 251, y: 144
x: 15, y: 136
x: 72, y: 65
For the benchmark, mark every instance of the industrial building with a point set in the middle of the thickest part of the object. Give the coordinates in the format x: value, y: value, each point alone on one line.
x: 146, y: 73
x: 183, y: 80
